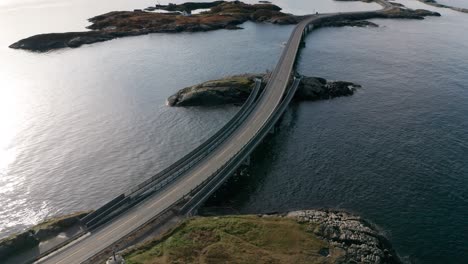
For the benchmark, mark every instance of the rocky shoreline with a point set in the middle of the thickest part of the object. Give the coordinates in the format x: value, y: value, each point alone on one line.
x: 222, y: 15
x: 436, y: 4
x: 32, y: 237
x: 236, y: 89
x: 352, y: 238
x: 308, y: 236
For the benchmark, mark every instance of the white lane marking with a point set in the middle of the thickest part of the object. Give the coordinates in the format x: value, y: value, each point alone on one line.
x: 117, y: 227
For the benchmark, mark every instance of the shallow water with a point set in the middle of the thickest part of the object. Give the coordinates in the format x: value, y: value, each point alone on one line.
x: 80, y: 126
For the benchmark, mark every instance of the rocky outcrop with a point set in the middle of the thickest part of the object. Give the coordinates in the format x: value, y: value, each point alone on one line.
x: 314, y: 88
x: 41, y: 232
x: 229, y: 90
x: 349, y: 23
x: 189, y: 6
x: 222, y: 15
x: 436, y: 4
x: 56, y: 225
x: 17, y: 243
x: 236, y: 89
x: 351, y: 238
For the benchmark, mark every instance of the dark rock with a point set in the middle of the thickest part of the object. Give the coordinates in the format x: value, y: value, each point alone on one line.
x: 349, y: 23
x: 222, y: 14
x: 229, y: 90
x: 41, y: 232
x: 17, y: 243
x: 352, y: 239
x: 313, y: 88
x: 436, y: 4
x: 55, y: 226
x: 46, y: 42
x: 236, y: 89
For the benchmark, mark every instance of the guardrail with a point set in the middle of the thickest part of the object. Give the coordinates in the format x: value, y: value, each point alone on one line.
x: 213, y: 182
x: 168, y: 175
x: 207, y: 187
x: 124, y: 201
x: 201, y: 192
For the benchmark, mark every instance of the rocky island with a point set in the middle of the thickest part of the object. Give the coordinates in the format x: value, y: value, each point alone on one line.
x: 236, y: 89
x: 311, y: 236
x: 221, y: 15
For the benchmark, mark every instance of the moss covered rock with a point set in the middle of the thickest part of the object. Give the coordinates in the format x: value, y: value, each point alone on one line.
x: 229, y: 90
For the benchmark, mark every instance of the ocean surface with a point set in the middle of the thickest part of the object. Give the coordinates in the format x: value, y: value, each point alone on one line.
x: 80, y: 126
x: 454, y: 3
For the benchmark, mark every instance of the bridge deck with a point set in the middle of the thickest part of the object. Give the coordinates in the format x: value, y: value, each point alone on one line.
x: 98, y: 240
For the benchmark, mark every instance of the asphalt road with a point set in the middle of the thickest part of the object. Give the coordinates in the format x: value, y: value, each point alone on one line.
x: 98, y: 240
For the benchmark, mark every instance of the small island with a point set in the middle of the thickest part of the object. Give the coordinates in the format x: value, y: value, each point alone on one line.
x: 178, y: 18
x: 236, y: 89
x: 311, y: 236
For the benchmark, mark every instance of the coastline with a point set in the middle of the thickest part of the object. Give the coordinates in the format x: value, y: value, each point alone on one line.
x: 307, y: 236
x: 40, y: 233
x: 234, y: 90
x: 434, y: 3
x: 223, y: 15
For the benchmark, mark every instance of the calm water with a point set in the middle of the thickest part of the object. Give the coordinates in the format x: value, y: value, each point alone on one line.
x: 396, y: 152
x: 80, y: 126
x: 455, y: 3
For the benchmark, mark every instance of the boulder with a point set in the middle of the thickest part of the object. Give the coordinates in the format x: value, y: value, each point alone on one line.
x: 351, y: 238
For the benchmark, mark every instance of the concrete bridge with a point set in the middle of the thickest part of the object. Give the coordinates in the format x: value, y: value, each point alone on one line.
x: 185, y: 185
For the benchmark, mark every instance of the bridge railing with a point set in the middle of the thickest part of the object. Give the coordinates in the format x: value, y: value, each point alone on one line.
x: 201, y: 192
x: 206, y: 189
x: 173, y: 172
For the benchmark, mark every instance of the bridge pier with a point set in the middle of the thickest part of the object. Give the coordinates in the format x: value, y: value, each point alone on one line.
x: 247, y: 161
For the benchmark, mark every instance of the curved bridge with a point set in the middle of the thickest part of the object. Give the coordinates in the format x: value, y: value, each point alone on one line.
x: 186, y: 184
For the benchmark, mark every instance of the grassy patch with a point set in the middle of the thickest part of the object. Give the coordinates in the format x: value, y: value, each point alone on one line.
x: 233, y: 239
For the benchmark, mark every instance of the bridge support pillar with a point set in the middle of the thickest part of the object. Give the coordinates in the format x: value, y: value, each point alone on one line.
x: 273, y: 130
x: 247, y: 161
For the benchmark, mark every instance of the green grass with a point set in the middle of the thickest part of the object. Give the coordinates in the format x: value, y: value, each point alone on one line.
x: 233, y: 239
x: 234, y: 81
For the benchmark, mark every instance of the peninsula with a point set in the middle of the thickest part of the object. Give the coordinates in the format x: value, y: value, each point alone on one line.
x: 221, y: 15
x: 310, y: 236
